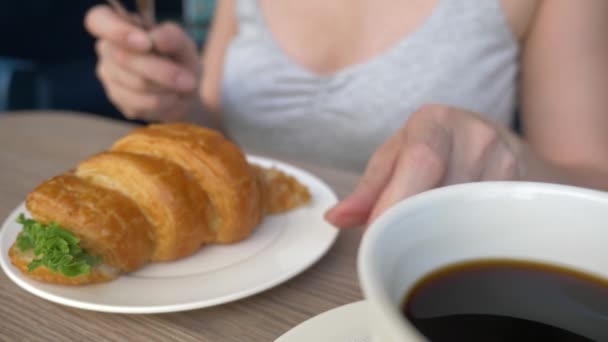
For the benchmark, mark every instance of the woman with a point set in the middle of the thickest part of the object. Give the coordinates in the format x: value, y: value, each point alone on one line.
x: 429, y: 85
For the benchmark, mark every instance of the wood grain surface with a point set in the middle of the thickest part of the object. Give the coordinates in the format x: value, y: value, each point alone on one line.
x: 37, y: 145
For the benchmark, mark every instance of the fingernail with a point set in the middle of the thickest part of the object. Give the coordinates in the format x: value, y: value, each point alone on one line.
x: 330, y: 215
x: 349, y: 221
x: 138, y: 40
x: 334, y: 211
x: 343, y: 220
x: 185, y: 81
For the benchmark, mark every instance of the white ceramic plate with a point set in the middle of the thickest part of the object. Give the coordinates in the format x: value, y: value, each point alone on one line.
x: 280, y: 248
x: 347, y: 323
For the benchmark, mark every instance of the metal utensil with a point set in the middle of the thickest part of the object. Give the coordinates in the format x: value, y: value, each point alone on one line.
x: 119, y: 8
x: 145, y: 16
x: 146, y: 9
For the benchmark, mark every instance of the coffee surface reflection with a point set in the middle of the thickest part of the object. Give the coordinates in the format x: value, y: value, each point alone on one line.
x: 509, y: 300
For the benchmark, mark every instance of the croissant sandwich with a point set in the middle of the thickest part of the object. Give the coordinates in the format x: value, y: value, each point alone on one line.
x: 159, y: 194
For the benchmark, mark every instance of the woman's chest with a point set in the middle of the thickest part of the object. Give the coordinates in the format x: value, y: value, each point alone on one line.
x: 328, y: 36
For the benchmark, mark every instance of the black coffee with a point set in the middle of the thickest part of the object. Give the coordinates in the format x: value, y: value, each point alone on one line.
x: 507, y: 300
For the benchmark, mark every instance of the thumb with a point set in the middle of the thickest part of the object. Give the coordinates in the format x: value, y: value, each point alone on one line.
x: 171, y: 40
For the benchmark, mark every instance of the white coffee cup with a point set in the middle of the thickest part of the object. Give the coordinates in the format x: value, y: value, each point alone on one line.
x: 539, y: 222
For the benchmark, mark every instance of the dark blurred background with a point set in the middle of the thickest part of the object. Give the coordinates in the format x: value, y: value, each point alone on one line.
x: 47, y: 59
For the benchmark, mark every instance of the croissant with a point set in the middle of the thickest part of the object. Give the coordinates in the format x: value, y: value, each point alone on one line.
x: 157, y: 195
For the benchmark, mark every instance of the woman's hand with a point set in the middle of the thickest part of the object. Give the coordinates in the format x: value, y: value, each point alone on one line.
x: 437, y: 146
x: 148, y: 75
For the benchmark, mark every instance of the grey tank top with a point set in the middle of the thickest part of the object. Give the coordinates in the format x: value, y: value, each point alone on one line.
x: 463, y: 55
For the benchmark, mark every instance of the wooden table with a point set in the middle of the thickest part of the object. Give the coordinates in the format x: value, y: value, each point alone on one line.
x: 37, y: 145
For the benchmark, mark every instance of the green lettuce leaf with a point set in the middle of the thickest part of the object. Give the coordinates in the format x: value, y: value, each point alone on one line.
x: 54, y: 248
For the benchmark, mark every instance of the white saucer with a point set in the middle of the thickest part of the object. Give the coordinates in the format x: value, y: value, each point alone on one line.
x: 347, y: 323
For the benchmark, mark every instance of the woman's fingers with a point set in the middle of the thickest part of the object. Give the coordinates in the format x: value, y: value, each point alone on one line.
x: 107, y: 71
x: 502, y: 164
x: 413, y: 160
x: 103, y: 23
x: 156, y: 69
x: 354, y: 210
x: 137, y: 96
x: 148, y: 75
x: 421, y: 165
x: 438, y: 146
x: 171, y: 40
